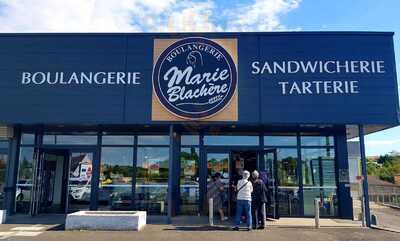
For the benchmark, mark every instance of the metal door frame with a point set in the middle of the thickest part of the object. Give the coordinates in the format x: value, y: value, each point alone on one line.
x: 37, y: 172
x: 275, y: 180
x: 39, y: 159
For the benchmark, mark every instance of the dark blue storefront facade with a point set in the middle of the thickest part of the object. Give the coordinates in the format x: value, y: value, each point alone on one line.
x: 141, y: 121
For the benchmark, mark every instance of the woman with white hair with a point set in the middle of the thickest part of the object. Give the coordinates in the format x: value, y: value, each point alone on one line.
x: 244, y: 189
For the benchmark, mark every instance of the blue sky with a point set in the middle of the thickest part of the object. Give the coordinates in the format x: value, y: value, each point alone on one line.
x: 211, y: 15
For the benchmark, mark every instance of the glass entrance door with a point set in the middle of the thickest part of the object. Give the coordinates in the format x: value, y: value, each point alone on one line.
x: 49, y: 179
x: 218, y: 189
x: 269, y: 176
x: 80, y: 180
x: 37, y: 182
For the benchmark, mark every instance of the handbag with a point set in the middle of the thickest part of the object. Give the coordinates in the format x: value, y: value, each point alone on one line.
x: 237, y: 191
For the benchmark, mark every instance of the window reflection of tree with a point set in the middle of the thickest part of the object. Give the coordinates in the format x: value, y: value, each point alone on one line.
x: 189, y: 160
x: 287, y: 171
x: 26, y: 169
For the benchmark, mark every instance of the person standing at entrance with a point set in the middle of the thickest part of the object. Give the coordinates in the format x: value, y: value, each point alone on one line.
x: 216, y: 191
x: 259, y: 198
x: 244, y: 189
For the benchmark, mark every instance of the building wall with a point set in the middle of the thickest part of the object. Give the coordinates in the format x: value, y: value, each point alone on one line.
x: 260, y: 95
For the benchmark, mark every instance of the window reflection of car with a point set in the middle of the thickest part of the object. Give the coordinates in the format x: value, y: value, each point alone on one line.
x: 151, y: 197
x: 121, y: 200
x: 23, y: 192
x: 153, y: 191
x: 79, y: 191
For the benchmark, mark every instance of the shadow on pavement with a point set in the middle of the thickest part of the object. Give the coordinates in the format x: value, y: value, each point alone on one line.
x: 199, y: 228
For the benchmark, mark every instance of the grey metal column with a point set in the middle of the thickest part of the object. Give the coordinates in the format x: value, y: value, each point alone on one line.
x: 202, y: 177
x: 173, y: 173
x: 12, y: 172
x: 260, y: 160
x: 94, y: 194
x: 364, y: 174
x: 300, y: 174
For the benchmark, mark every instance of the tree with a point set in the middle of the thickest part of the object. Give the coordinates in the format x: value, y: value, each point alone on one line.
x: 372, y: 168
x: 390, y: 166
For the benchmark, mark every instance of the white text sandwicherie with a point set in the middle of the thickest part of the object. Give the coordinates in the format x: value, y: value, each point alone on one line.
x: 318, y: 66
x: 80, y: 78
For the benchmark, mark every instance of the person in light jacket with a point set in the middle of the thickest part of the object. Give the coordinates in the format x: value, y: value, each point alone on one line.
x: 244, y: 189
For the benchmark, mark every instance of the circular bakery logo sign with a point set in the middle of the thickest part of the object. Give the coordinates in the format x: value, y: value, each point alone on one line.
x: 194, y: 78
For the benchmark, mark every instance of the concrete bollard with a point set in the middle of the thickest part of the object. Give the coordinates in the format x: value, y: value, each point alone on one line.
x: 211, y: 212
x: 264, y: 210
x: 162, y: 206
x: 3, y: 216
x: 316, y: 207
x: 374, y: 219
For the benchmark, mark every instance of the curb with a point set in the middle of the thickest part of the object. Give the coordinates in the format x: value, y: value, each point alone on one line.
x: 390, y: 206
x: 385, y: 229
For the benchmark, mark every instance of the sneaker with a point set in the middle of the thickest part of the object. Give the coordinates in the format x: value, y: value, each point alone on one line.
x: 261, y: 227
x: 224, y: 219
x: 235, y: 228
x: 248, y: 229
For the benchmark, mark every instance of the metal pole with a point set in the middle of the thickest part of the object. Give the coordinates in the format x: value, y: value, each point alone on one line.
x: 316, y: 211
x: 211, y: 211
x: 362, y: 203
x: 364, y: 174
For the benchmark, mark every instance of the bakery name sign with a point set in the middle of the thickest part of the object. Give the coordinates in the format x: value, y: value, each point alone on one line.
x: 80, y: 78
x: 314, y: 71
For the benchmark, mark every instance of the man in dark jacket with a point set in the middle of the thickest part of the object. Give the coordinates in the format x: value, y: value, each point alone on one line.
x: 259, y: 198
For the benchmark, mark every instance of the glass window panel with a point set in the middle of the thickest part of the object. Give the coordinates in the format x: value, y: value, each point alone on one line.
x: 152, y: 180
x: 231, y: 140
x: 24, y: 183
x: 76, y: 140
x: 115, y: 184
x: 3, y: 172
x: 289, y: 202
x: 190, y: 140
x: 27, y: 139
x: 287, y: 167
x: 317, y: 141
x: 80, y: 177
x: 318, y: 167
x: 118, y: 140
x: 4, y: 144
x: 328, y: 201
x: 189, y: 181
x: 280, y: 140
x: 49, y: 139
x: 153, y: 140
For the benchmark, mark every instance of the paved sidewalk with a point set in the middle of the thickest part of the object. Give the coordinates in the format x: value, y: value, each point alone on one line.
x: 310, y: 222
x: 387, y: 217
x: 195, y: 233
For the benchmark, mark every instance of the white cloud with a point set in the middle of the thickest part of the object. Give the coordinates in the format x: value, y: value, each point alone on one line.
x: 262, y: 15
x: 381, y: 142
x: 191, y: 16
x: 140, y: 15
